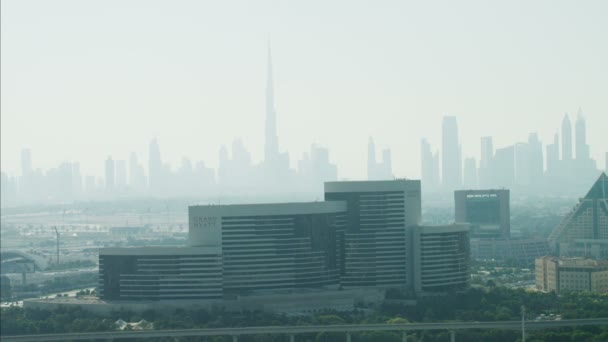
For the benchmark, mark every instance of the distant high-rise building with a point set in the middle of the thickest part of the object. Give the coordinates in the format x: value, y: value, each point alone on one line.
x: 504, y: 167
x: 378, y: 170
x: 582, y: 149
x: 155, y: 168
x: 315, y: 168
x: 371, y: 158
x: 121, y: 173
x: 470, y: 173
x: 271, y: 143
x: 487, y: 152
x: 522, y: 164
x: 76, y: 180
x: 110, y: 173
x: 429, y: 167
x: 566, y: 138
x: 553, y: 155
x: 535, y: 158
x: 451, y: 157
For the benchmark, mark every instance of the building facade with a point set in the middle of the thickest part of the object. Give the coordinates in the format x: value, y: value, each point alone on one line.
x: 571, y: 274
x: 441, y: 257
x: 486, y: 211
x: 375, y: 248
x: 584, y: 230
x: 160, y: 273
x: 273, y: 247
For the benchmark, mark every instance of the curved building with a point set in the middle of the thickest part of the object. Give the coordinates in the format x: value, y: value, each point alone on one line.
x: 441, y: 257
x: 273, y: 247
x: 160, y: 273
x: 375, y: 246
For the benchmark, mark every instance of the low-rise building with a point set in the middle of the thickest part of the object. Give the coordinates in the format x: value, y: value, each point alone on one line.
x: 572, y: 274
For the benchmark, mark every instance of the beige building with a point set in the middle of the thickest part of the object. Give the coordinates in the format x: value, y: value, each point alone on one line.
x: 573, y: 274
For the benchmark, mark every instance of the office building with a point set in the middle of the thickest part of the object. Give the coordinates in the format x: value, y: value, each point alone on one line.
x: 582, y: 149
x: 485, y: 177
x: 110, y: 174
x: 522, y: 251
x: 584, y: 230
x: 566, y: 138
x: 375, y: 246
x: 503, y: 168
x: 451, y: 157
x: 441, y: 258
x: 487, y: 212
x: 160, y: 273
x: 429, y: 167
x: 273, y: 247
x: 378, y: 170
x: 553, y: 155
x: 571, y: 274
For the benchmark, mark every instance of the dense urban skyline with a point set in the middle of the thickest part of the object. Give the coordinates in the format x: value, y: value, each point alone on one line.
x: 522, y: 166
x: 505, y: 81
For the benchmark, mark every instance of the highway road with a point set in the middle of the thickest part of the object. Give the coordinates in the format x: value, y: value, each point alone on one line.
x: 294, y: 330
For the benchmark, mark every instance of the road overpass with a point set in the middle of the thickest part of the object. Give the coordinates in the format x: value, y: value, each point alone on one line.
x: 292, y: 331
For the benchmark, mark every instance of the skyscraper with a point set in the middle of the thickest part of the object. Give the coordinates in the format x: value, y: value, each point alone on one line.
x: 485, y: 163
x: 378, y: 170
x: 535, y: 158
x: 566, y: 138
x: 155, y: 168
x: 487, y: 152
x: 110, y: 172
x: 582, y: 149
x: 451, y: 159
x: 371, y: 158
x: 429, y: 163
x: 271, y: 144
x: 553, y: 155
x: 121, y: 173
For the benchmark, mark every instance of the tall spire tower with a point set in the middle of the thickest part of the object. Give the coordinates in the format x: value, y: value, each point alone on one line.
x: 271, y: 144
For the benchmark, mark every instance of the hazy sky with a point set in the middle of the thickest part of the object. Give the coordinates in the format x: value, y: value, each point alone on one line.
x: 82, y: 80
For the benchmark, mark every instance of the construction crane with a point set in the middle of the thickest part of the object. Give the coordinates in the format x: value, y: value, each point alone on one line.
x: 57, y: 235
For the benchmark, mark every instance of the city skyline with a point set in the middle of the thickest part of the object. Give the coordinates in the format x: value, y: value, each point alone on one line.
x: 110, y: 97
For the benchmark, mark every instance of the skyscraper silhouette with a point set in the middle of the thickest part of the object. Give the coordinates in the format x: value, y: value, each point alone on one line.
x: 271, y: 143
x: 566, y: 138
x: 582, y: 149
x: 155, y: 168
x: 371, y: 158
x: 553, y: 155
x: 451, y: 159
x: 429, y: 167
x: 110, y: 173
